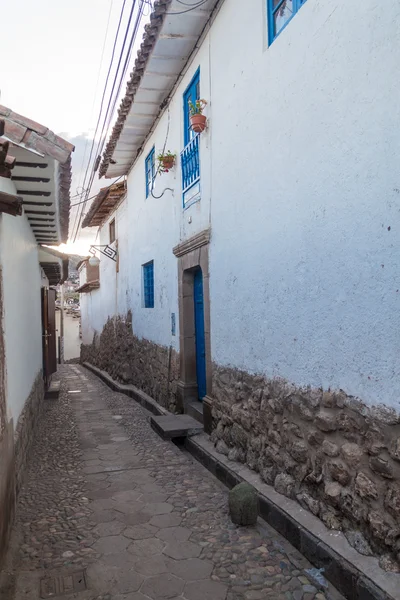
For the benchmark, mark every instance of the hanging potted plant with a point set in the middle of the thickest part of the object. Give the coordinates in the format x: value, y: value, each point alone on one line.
x: 198, y: 121
x: 166, y: 161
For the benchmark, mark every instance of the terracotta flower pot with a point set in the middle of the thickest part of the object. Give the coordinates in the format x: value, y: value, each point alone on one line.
x: 168, y: 162
x: 198, y: 123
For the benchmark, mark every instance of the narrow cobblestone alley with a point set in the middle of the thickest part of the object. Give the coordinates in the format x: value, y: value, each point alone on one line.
x: 103, y: 493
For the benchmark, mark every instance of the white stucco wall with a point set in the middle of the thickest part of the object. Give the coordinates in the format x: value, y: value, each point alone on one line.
x: 22, y: 306
x: 299, y: 175
x: 305, y: 207
x: 148, y: 228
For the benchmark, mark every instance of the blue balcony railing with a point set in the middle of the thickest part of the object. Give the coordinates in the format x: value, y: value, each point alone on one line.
x: 190, y: 164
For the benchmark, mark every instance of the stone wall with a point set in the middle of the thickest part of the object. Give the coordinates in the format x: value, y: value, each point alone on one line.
x: 2, y: 364
x: 152, y: 368
x: 14, y: 453
x: 25, y: 430
x: 7, y: 486
x: 337, y: 457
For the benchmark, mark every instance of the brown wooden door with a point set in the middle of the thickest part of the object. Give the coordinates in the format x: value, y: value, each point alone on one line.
x: 51, y: 307
x: 49, y: 333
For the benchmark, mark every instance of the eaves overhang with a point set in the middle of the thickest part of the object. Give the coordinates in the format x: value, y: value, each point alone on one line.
x: 169, y: 40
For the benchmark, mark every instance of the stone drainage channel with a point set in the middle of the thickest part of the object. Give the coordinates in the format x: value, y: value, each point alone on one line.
x: 110, y: 511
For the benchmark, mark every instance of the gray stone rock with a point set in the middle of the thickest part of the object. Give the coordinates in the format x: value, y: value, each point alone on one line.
x: 333, y: 491
x: 379, y: 527
x: 239, y: 436
x: 352, y: 454
x: 330, y: 449
x: 385, y: 415
x: 374, y: 441
x: 307, y: 501
x: 381, y: 466
x: 252, y: 459
x: 299, y: 451
x: 328, y: 400
x: 387, y: 563
x: 326, y: 421
x: 222, y: 448
x: 339, y: 472
x: 394, y: 449
x: 315, y: 438
x: 330, y: 518
x: 365, y: 487
x: 359, y: 543
x: 237, y: 454
x: 352, y: 507
x: 392, y: 500
x: 274, y: 437
x: 285, y: 484
x: 243, y: 504
x: 268, y: 474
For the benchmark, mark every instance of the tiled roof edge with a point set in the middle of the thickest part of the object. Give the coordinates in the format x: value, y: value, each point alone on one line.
x: 29, y: 134
x: 100, y: 198
x: 64, y: 186
x: 150, y: 36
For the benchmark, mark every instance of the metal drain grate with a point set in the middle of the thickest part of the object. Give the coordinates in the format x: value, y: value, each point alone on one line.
x: 63, y: 584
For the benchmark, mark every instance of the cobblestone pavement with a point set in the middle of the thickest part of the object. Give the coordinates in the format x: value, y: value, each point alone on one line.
x: 104, y: 493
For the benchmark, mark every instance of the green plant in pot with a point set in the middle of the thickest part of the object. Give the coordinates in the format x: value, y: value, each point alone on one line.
x: 166, y: 161
x: 198, y: 121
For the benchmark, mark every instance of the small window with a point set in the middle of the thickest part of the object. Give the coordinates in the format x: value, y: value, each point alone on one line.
x: 150, y: 167
x: 280, y: 12
x: 111, y: 229
x: 148, y: 284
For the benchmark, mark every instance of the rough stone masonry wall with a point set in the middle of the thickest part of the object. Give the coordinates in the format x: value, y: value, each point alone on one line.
x: 25, y: 430
x: 337, y: 457
x: 152, y: 368
x: 14, y: 453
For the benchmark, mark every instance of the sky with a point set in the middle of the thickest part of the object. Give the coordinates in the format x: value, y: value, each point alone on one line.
x: 56, y: 69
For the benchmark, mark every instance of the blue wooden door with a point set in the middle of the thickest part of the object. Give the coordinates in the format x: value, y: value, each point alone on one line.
x: 199, y: 330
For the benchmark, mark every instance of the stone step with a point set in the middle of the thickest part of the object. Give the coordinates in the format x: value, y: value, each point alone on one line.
x: 175, y: 426
x: 195, y: 410
x: 53, y: 391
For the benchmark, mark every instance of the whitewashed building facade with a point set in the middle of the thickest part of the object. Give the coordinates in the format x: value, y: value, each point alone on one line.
x: 259, y: 275
x: 35, y: 177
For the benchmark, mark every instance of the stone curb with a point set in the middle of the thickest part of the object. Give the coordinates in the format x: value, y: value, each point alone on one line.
x: 129, y: 390
x: 342, y: 565
x: 348, y: 576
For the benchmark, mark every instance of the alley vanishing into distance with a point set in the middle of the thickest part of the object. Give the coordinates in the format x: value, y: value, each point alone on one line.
x: 110, y: 511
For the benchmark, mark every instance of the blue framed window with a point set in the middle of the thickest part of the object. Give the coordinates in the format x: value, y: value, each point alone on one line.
x: 280, y: 12
x: 192, y: 93
x: 150, y: 168
x: 148, y: 284
x: 190, y: 155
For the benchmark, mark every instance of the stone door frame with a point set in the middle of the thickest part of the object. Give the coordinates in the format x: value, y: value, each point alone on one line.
x: 192, y: 254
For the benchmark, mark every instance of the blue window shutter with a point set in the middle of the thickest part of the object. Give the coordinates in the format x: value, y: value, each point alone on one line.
x: 191, y: 93
x: 284, y: 8
x: 148, y: 284
x: 150, y: 170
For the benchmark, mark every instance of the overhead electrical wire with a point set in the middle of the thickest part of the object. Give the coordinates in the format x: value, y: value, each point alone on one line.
x: 193, y: 7
x: 91, y: 197
x: 109, y: 113
x: 100, y: 112
x: 113, y: 98
x: 94, y: 100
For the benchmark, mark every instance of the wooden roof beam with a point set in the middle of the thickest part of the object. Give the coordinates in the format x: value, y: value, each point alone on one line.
x: 11, y: 205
